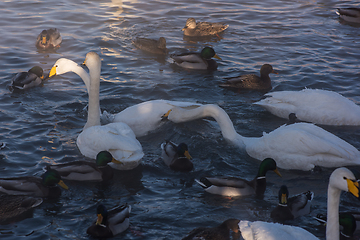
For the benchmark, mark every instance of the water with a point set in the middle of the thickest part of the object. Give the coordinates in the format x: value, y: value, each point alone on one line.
x: 303, y: 40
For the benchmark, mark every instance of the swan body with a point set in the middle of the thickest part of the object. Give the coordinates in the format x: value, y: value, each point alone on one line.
x: 110, y: 223
x: 151, y: 45
x: 24, y: 80
x: 313, y: 105
x: 292, y: 207
x: 342, y: 179
x: 176, y: 157
x: 232, y: 186
x: 202, y: 29
x: 117, y: 138
x: 199, y: 61
x: 252, y: 81
x: 349, y: 14
x: 49, y: 39
x: 34, y: 186
x: 297, y: 146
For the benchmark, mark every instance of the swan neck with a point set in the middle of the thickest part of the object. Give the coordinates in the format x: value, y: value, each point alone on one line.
x: 94, y: 103
x: 332, y: 225
x: 84, y: 76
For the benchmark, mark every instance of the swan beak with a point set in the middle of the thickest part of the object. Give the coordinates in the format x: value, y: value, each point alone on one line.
x: 63, y: 185
x: 52, y: 72
x: 277, y: 172
x: 43, y: 40
x: 166, y: 115
x: 353, y: 187
x: 217, y: 57
x: 273, y: 71
x: 187, y: 154
x: 99, y: 219
x: 116, y: 161
x: 283, y: 198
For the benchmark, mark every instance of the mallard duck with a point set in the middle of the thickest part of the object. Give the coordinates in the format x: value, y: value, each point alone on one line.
x: 221, y: 232
x: 232, y: 186
x: 116, y: 137
x: 342, y: 179
x: 299, y: 146
x: 151, y: 45
x: 49, y: 39
x: 252, y: 81
x: 87, y: 171
x: 349, y: 14
x: 15, y: 206
x: 109, y: 224
x: 34, y: 186
x: 290, y: 208
x: 31, y: 78
x: 200, y: 61
x: 176, y: 157
x: 347, y: 221
x: 202, y: 29
x: 313, y: 105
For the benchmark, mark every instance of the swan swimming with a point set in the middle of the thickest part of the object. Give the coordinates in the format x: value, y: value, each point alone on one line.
x: 117, y: 138
x: 297, y: 146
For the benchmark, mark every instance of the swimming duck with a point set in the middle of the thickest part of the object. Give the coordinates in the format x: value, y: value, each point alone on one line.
x: 347, y: 221
x: 232, y: 186
x: 342, y: 179
x: 116, y: 137
x: 176, y: 157
x: 299, y: 146
x: 252, y: 81
x: 15, y: 206
x: 49, y: 39
x: 313, y: 105
x: 34, y: 186
x: 221, y: 232
x: 290, y: 208
x: 87, y: 171
x: 199, y: 61
x: 151, y: 45
x: 202, y: 29
x: 349, y: 14
x: 109, y: 224
x: 31, y: 78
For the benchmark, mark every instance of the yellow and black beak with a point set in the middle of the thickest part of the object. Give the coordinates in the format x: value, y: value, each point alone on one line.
x: 283, y: 198
x: 165, y: 116
x: 217, y: 57
x: 277, y: 172
x: 52, y: 72
x: 99, y: 219
x: 63, y: 185
x: 43, y: 40
x: 353, y: 187
x: 187, y: 154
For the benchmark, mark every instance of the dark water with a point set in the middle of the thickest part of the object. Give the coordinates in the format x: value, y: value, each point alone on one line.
x: 303, y: 40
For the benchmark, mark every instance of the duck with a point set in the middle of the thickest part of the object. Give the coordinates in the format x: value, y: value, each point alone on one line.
x: 87, y: 171
x: 110, y: 223
x: 29, y: 79
x: 341, y: 179
x: 202, y: 29
x: 151, y: 45
x: 45, y: 187
x: 252, y: 81
x: 233, y: 187
x: 116, y: 137
x: 197, y: 61
x: 293, y: 207
x: 313, y: 105
x: 349, y: 14
x: 221, y: 232
x: 49, y: 39
x: 298, y: 146
x: 349, y: 224
x: 176, y: 157
x: 13, y: 207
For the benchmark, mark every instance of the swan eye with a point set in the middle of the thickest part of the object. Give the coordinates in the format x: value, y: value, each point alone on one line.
x: 345, y: 178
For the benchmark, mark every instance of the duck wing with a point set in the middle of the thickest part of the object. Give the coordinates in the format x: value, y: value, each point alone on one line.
x: 25, y: 80
x: 247, y: 81
x: 21, y: 186
x: 300, y: 204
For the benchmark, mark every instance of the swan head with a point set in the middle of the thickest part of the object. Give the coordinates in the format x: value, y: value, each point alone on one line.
x: 62, y: 66
x: 92, y: 61
x: 343, y: 179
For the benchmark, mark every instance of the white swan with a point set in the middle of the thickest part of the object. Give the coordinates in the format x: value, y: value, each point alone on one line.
x: 117, y: 138
x: 297, y: 146
x: 313, y: 105
x: 342, y: 179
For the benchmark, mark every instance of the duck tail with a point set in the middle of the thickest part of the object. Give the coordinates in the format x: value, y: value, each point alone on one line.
x: 310, y: 195
x: 204, y: 182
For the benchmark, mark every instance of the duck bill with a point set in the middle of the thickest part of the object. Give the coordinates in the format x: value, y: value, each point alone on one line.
x: 187, y: 154
x: 283, y: 198
x: 353, y: 187
x: 166, y: 115
x: 277, y: 172
x: 52, y: 72
x: 99, y: 219
x: 63, y: 185
x: 183, y: 29
x: 217, y: 57
x: 273, y: 71
x: 42, y: 77
x: 43, y: 40
x: 116, y: 161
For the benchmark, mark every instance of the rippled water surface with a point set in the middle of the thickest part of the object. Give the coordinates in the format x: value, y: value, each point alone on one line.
x: 303, y: 40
